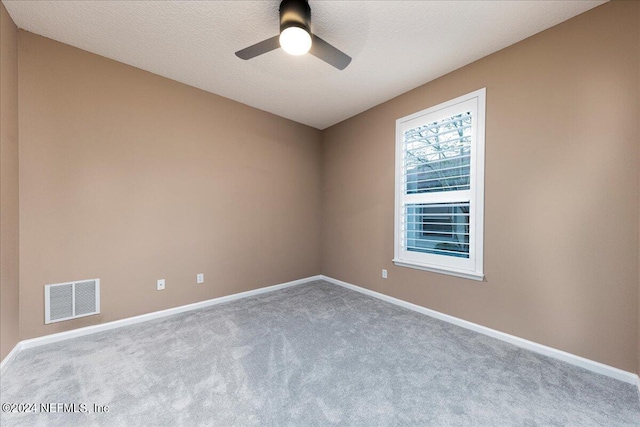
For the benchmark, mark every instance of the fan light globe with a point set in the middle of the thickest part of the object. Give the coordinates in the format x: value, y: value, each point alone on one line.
x: 295, y: 41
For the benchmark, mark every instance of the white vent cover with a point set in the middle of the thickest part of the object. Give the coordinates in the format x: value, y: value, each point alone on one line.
x: 64, y: 301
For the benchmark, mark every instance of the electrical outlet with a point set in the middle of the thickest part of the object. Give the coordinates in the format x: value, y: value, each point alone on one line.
x: 160, y: 285
x: 384, y: 273
x: 200, y: 278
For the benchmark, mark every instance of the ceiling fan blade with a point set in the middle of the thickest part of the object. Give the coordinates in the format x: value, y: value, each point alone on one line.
x: 329, y: 54
x: 259, y: 48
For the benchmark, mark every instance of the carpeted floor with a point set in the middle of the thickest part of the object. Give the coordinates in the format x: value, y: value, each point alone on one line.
x: 314, y: 354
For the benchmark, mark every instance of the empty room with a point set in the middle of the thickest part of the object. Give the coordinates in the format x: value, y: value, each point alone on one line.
x: 315, y: 213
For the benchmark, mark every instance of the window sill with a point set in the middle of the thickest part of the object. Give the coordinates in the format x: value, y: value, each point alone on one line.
x: 441, y: 270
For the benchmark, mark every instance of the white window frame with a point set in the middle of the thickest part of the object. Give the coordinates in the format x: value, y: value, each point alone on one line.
x: 472, y: 267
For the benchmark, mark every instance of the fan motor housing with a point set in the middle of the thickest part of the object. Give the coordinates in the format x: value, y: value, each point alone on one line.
x: 295, y: 13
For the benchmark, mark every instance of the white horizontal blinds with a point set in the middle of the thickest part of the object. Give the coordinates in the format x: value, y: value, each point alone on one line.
x: 437, y: 228
x: 437, y: 160
x: 440, y: 187
x: 437, y: 155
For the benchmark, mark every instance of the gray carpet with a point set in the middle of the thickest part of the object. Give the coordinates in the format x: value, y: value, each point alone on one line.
x: 315, y: 354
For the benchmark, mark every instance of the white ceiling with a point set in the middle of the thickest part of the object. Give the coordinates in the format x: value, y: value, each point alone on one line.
x: 395, y: 45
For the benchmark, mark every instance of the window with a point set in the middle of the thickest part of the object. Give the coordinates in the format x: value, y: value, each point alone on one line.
x: 440, y: 188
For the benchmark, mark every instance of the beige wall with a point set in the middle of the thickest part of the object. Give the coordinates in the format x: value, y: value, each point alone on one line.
x: 131, y: 177
x: 8, y: 183
x: 561, y: 216
x: 638, y: 102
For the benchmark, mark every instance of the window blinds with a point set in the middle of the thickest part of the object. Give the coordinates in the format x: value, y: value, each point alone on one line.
x: 440, y: 187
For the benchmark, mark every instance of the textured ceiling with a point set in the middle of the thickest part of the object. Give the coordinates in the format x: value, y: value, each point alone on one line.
x: 396, y: 45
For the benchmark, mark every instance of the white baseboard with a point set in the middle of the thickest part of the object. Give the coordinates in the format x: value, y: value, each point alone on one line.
x: 591, y: 365
x: 62, y: 336
x: 12, y: 354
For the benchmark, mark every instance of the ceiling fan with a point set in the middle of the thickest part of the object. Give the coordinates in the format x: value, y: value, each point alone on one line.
x: 296, y: 38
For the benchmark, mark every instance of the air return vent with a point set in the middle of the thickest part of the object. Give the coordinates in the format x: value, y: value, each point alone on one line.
x: 64, y: 301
